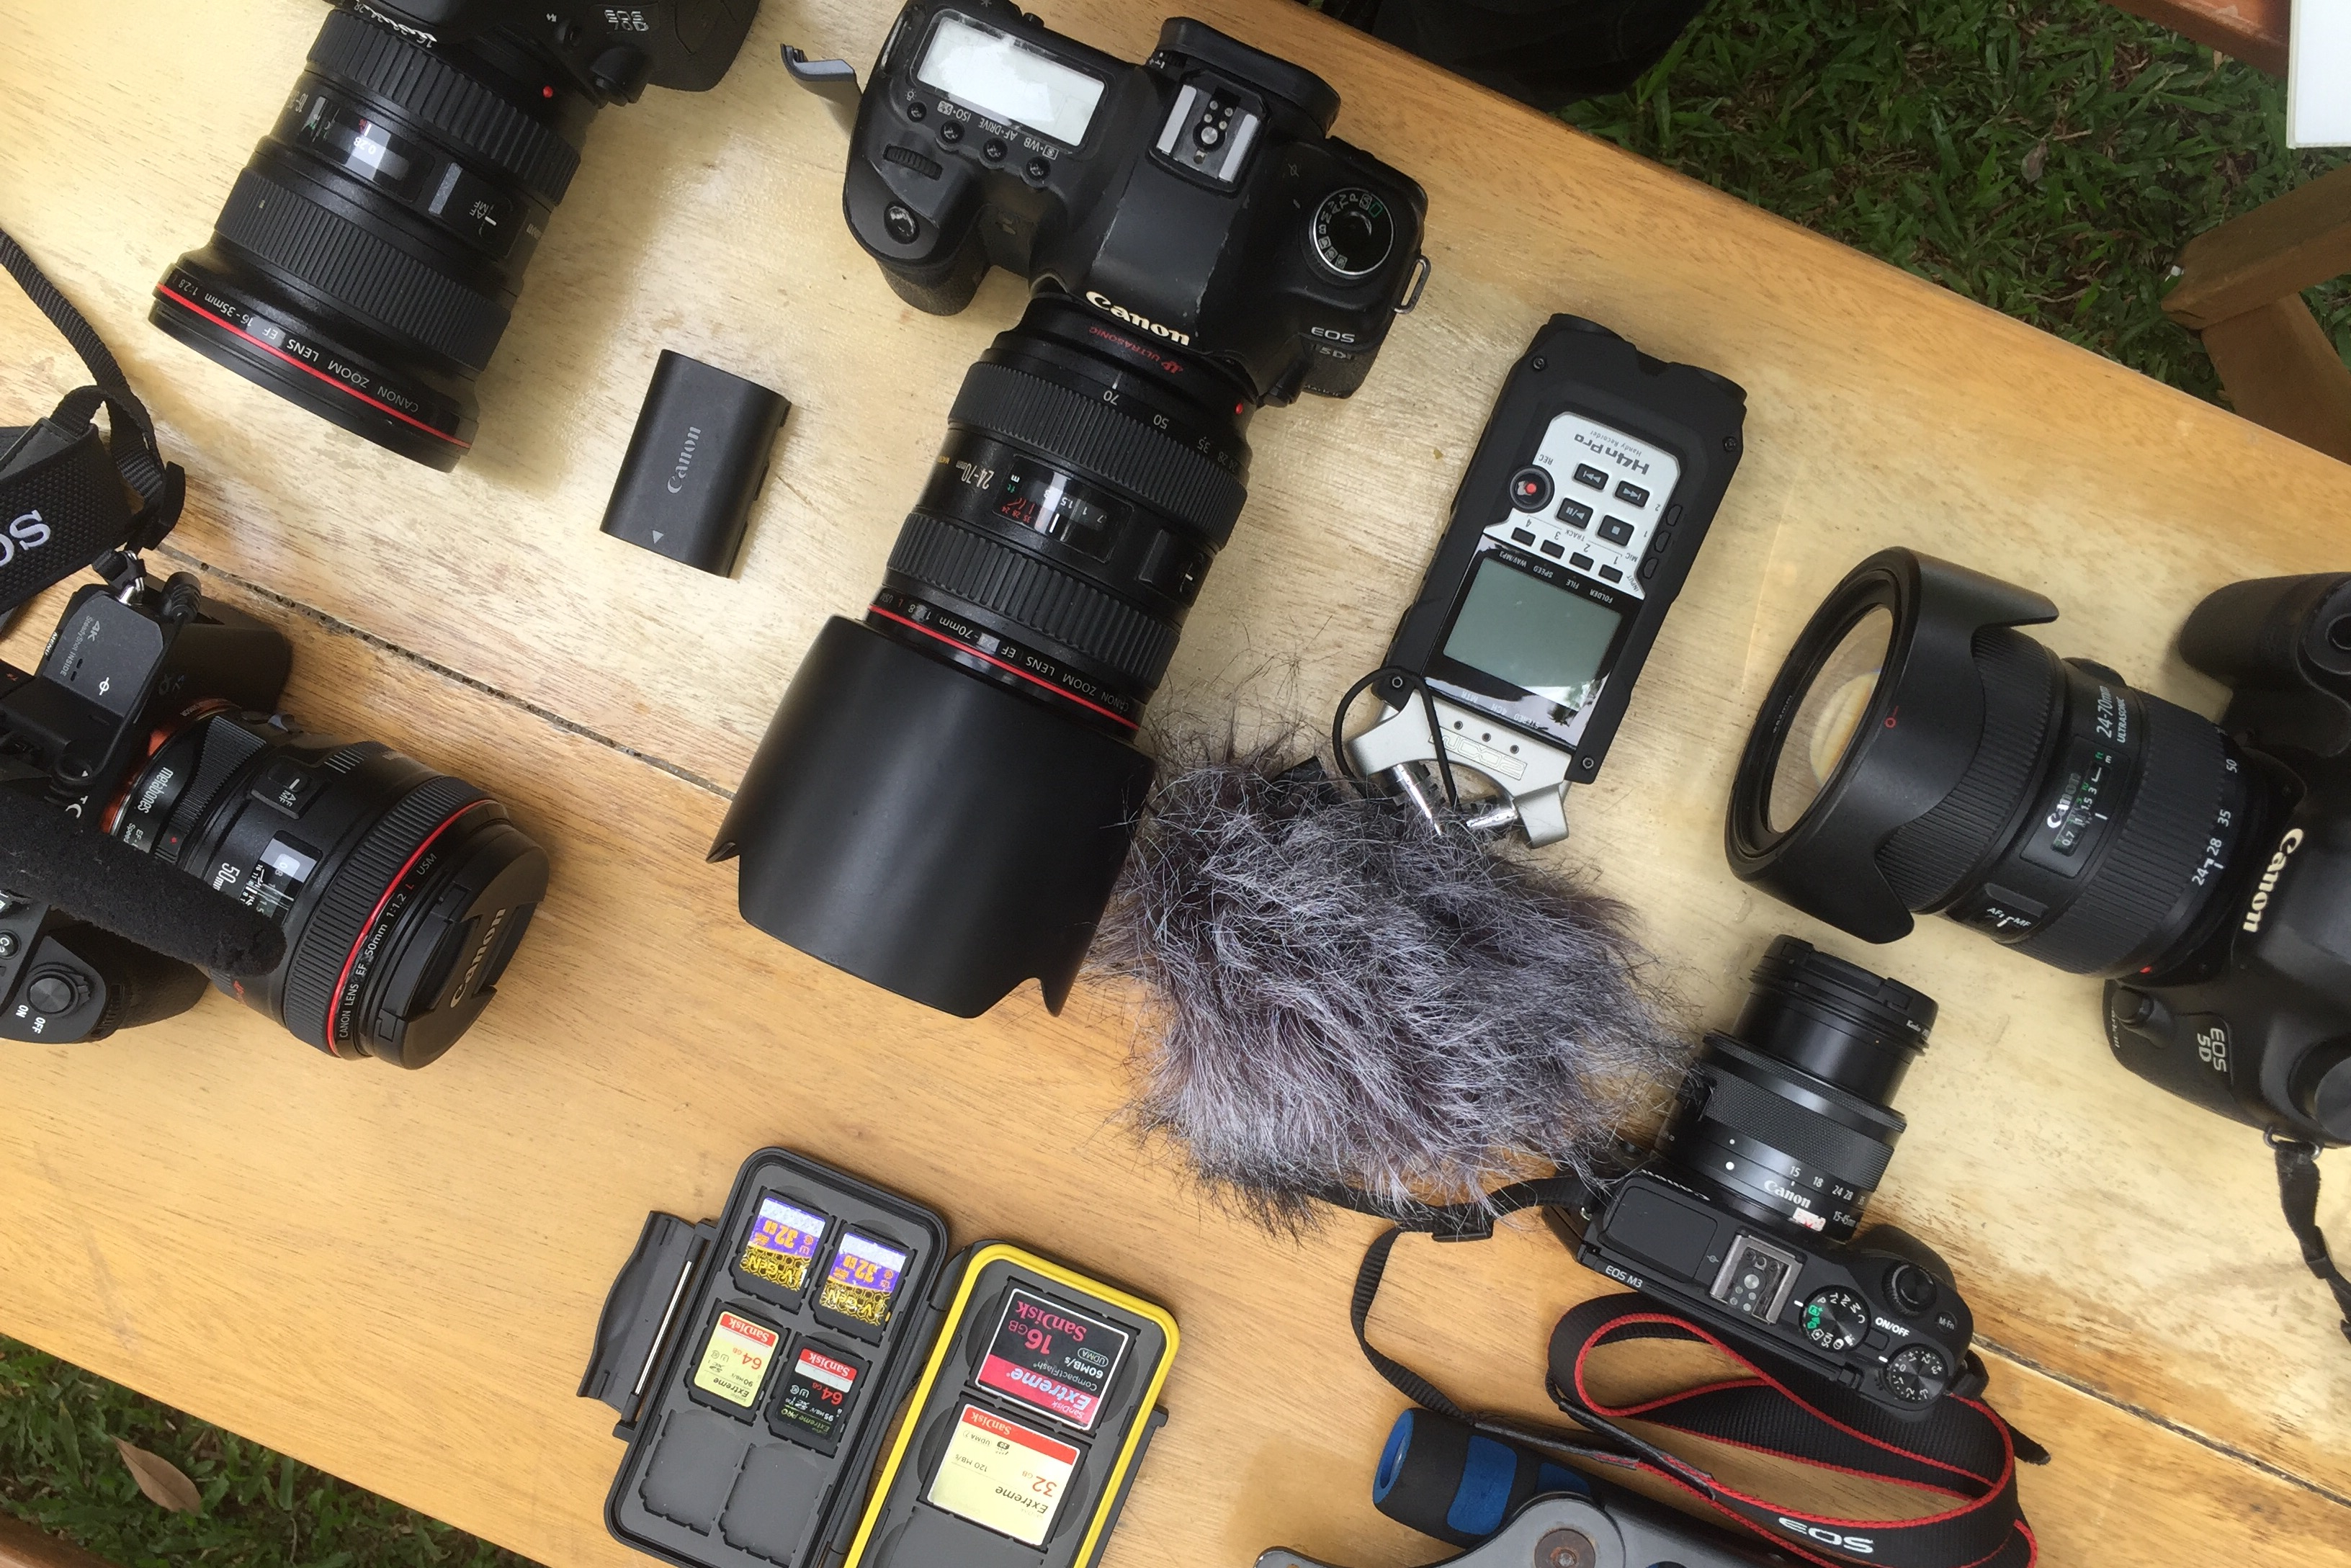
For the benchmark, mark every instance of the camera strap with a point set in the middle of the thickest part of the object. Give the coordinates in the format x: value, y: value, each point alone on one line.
x: 70, y: 495
x: 1961, y: 1453
x: 2297, y: 1171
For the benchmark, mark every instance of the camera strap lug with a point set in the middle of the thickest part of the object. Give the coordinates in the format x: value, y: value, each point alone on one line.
x: 2297, y: 1171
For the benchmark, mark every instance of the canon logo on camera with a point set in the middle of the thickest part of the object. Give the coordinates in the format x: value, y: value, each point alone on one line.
x: 1100, y: 303
x: 2276, y: 868
x: 415, y: 35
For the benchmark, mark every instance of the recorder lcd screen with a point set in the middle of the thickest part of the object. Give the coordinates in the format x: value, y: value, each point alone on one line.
x: 1544, y: 640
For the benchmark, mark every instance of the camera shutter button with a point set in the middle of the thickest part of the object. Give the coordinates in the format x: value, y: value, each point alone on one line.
x: 901, y: 223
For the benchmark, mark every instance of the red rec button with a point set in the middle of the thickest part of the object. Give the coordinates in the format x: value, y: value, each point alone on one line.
x: 1530, y: 489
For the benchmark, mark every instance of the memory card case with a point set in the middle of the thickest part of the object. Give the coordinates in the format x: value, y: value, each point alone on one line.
x: 760, y: 1362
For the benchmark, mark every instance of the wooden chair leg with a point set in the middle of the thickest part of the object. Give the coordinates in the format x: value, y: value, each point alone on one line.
x: 2282, y: 373
x: 22, y: 1546
x: 2280, y: 248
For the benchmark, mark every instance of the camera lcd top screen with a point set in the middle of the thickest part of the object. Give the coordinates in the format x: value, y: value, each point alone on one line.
x: 1004, y: 77
x: 1544, y: 640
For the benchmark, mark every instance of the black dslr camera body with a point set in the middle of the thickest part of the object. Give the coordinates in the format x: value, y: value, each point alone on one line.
x: 401, y: 892
x: 1198, y: 198
x: 369, y: 257
x: 1746, y: 1216
x: 2252, y: 1018
x: 946, y: 795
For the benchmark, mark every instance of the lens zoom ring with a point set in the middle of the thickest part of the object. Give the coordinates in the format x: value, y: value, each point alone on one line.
x: 1036, y: 594
x: 1095, y: 441
x: 353, y: 889
x: 322, y: 248
x: 2159, y: 842
x: 1923, y: 861
x: 1805, y: 1135
x: 436, y: 94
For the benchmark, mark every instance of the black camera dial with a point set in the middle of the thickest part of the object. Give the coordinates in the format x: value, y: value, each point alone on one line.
x: 1353, y: 232
x: 1912, y: 1288
x: 1918, y: 1375
x: 1835, y: 1318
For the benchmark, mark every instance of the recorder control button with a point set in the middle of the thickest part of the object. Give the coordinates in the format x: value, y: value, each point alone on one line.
x: 1835, y: 1318
x: 1610, y: 574
x: 1521, y: 536
x: 1585, y: 473
x: 1575, y: 513
x: 1530, y: 489
x: 1649, y: 568
x: 1581, y: 563
x: 1632, y: 494
x: 1552, y: 548
x: 1615, y: 531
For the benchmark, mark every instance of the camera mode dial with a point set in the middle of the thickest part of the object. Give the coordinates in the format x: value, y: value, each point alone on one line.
x: 1353, y: 232
x: 1918, y: 1375
x: 1835, y: 1318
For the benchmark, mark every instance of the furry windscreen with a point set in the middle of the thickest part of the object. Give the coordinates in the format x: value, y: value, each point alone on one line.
x: 1339, y: 996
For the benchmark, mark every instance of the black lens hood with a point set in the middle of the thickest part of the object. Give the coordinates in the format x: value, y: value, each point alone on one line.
x: 1912, y: 746
x: 931, y: 833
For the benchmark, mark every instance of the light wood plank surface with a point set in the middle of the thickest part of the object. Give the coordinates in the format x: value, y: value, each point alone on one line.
x: 395, y: 1277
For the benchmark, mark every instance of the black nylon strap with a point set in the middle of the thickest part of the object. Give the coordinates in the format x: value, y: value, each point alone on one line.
x: 1963, y: 1451
x: 61, y: 512
x: 2297, y: 1169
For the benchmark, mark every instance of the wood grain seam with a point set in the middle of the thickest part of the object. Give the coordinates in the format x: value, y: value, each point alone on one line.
x: 335, y: 626
x: 2225, y: 1450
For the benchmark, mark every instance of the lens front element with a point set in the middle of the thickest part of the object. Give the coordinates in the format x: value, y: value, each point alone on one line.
x: 1828, y: 717
x: 403, y: 891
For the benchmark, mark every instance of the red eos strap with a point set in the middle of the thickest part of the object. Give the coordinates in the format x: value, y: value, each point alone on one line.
x: 1961, y: 1450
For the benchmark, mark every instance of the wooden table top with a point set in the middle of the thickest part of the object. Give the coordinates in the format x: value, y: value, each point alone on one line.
x: 395, y: 1277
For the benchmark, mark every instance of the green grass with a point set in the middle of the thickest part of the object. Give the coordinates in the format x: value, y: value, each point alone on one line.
x: 2046, y: 159
x: 59, y: 1468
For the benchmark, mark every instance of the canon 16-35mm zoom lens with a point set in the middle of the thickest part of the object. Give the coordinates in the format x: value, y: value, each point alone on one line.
x: 403, y: 891
x: 368, y: 257
x: 945, y: 796
x: 1789, y: 1119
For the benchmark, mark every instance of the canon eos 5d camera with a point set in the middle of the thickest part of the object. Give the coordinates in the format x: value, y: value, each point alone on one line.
x: 946, y: 795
